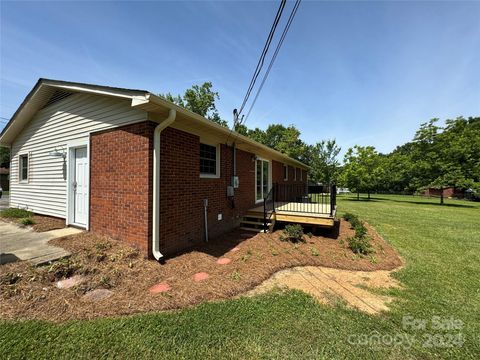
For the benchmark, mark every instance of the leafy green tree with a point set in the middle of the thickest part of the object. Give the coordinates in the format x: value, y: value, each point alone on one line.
x: 4, y: 157
x: 324, y: 161
x: 201, y: 100
x: 284, y: 139
x: 362, y: 170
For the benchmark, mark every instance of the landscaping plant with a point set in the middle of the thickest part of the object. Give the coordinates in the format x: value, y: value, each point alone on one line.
x: 27, y: 221
x: 293, y: 232
x: 16, y: 213
x: 360, y: 243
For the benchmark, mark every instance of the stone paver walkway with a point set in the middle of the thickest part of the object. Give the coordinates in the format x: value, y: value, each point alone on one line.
x: 18, y: 243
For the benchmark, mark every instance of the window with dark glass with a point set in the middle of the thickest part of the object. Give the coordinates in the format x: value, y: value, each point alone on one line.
x: 208, y: 159
x: 23, y: 167
x: 285, y: 172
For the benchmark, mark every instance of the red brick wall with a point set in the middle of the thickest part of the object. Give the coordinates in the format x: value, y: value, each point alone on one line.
x: 121, y: 163
x: 182, y: 191
x: 121, y: 187
x: 277, y: 174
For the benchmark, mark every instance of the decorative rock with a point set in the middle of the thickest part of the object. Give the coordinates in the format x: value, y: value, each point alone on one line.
x: 200, y: 276
x: 224, y: 261
x: 97, y: 295
x: 159, y: 288
x: 70, y: 282
x: 236, y: 248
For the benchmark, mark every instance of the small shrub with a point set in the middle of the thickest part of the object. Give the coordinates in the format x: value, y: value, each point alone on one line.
x: 105, y: 282
x: 360, y: 245
x: 63, y: 268
x: 314, y: 251
x: 245, y: 257
x: 235, y: 275
x: 103, y: 246
x: 27, y: 221
x: 10, y: 278
x: 360, y: 230
x: 15, y: 213
x: 293, y: 232
x: 310, y: 235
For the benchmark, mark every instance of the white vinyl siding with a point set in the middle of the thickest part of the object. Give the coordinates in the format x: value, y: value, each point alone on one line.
x: 52, y: 128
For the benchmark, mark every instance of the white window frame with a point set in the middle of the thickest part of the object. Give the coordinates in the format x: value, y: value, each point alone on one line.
x: 20, y: 156
x: 285, y: 173
x: 217, y: 168
x: 269, y: 177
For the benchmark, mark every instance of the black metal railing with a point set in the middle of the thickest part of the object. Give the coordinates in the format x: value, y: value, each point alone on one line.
x: 300, y: 198
x: 268, y: 207
x: 333, y: 199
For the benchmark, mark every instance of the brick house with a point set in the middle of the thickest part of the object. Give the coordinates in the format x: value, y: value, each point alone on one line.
x: 448, y: 192
x: 133, y: 166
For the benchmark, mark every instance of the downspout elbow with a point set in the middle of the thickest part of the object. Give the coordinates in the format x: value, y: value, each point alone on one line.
x: 156, y: 184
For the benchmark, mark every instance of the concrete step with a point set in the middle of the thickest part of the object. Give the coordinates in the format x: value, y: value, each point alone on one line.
x: 250, y: 229
x: 251, y: 222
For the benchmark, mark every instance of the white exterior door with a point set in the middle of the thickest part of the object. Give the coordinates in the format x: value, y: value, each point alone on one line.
x: 80, y: 186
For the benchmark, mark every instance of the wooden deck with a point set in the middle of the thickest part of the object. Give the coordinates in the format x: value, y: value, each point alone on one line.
x: 300, y: 213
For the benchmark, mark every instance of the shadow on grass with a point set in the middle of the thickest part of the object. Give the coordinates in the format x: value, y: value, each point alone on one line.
x: 362, y: 199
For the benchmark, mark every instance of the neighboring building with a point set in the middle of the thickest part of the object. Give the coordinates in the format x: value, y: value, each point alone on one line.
x: 448, y: 192
x: 133, y: 166
x: 4, y: 179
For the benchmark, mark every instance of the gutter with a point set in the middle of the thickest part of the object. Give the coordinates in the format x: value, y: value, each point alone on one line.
x: 156, y: 184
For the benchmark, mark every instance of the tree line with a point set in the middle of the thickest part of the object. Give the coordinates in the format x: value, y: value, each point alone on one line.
x: 437, y: 156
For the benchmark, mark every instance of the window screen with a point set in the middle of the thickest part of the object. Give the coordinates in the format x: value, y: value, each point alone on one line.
x: 208, y: 159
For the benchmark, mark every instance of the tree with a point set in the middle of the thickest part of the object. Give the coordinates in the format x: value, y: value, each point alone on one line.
x: 362, y: 170
x: 324, y: 163
x: 277, y: 136
x: 4, y: 157
x: 201, y: 100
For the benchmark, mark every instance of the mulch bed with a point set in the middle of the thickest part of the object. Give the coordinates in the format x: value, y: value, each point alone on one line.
x: 42, y: 223
x: 27, y: 292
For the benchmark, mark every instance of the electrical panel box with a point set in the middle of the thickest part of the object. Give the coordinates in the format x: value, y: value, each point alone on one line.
x: 230, y: 191
x: 235, y: 182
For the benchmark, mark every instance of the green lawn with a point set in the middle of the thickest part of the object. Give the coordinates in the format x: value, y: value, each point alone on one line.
x: 441, y: 245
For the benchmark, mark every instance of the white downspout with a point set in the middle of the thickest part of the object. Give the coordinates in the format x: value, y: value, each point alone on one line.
x: 156, y: 184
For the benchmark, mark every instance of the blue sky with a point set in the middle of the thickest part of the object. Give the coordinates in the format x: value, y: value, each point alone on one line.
x: 364, y: 73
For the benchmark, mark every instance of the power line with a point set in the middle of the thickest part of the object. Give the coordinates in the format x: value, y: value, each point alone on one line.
x: 261, y: 60
x: 279, y: 45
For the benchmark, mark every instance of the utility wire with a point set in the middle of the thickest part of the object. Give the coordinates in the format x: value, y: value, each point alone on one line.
x: 279, y: 45
x: 261, y: 60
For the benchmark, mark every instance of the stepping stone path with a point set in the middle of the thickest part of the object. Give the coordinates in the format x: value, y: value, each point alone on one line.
x: 97, y: 295
x: 236, y: 248
x: 200, y: 276
x: 224, y: 261
x: 70, y: 282
x: 159, y: 288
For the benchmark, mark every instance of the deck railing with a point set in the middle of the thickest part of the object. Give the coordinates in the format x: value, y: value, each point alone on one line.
x: 300, y: 198
x: 268, y: 207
